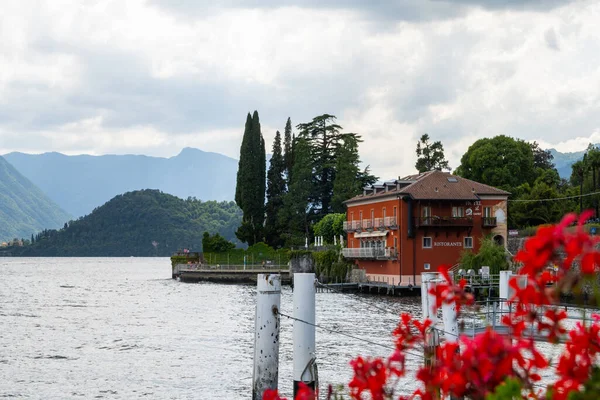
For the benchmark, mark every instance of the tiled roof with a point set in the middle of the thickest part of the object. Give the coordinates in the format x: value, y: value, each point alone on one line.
x: 437, y: 185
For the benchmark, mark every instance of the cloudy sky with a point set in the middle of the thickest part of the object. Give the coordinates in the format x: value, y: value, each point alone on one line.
x: 154, y: 76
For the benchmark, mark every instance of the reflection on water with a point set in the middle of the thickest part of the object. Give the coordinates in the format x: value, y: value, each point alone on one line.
x: 120, y: 328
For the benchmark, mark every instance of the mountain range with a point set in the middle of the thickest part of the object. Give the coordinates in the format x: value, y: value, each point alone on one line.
x: 78, y: 184
x: 24, y: 208
x: 563, y: 161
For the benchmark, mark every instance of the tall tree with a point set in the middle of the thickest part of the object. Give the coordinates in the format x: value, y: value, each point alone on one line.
x: 294, y: 214
x: 346, y: 184
x: 275, y: 194
x: 430, y: 156
x: 251, y: 181
x: 323, y: 136
x: 288, y: 155
x: 541, y: 158
x: 500, y: 161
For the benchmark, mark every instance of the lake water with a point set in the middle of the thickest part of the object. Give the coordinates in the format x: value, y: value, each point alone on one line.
x: 121, y: 328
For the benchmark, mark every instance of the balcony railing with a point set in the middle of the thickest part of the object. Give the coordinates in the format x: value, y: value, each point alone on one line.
x: 376, y: 223
x: 350, y: 226
x: 371, y: 253
x: 390, y: 222
x: 435, y: 221
x: 489, y: 222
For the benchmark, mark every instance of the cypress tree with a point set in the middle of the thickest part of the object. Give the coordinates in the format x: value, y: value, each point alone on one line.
x: 251, y: 181
x: 294, y: 214
x: 287, y: 148
x: 275, y: 193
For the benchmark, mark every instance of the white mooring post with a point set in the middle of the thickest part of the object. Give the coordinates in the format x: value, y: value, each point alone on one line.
x: 266, y: 334
x: 428, y: 300
x: 450, y: 319
x: 504, y: 292
x: 429, y: 281
x: 305, y: 367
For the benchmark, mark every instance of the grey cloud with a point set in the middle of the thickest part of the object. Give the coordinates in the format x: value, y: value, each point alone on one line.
x: 551, y: 39
x: 399, y: 10
x: 118, y: 86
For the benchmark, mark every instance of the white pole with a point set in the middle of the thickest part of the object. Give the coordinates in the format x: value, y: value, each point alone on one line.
x: 428, y: 300
x: 504, y: 279
x: 304, y: 332
x: 450, y: 320
x: 266, y: 334
x: 334, y: 240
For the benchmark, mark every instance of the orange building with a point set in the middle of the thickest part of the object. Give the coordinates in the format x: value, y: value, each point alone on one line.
x: 401, y: 228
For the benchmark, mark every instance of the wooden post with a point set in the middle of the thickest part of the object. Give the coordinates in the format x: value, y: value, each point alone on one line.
x: 266, y: 335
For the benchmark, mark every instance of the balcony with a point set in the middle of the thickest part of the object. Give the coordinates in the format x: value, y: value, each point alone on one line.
x: 390, y: 222
x: 436, y: 221
x: 368, y: 224
x: 351, y: 226
x: 489, y: 222
x: 370, y: 253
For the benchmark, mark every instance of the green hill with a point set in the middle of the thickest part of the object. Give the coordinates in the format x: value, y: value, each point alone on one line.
x: 139, y: 223
x: 24, y: 208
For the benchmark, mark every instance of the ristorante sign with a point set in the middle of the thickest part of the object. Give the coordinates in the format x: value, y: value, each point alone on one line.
x: 447, y: 244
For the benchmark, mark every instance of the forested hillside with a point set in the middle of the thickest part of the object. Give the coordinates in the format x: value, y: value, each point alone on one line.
x: 24, y: 208
x: 80, y: 183
x: 140, y: 223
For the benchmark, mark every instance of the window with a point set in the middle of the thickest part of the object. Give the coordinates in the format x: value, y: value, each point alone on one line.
x: 394, y: 211
x: 468, y: 242
x: 458, y: 212
x: 426, y: 212
x: 383, y: 212
x: 395, y: 243
x: 372, y: 215
x: 487, y: 212
x: 360, y: 215
x: 427, y: 266
x: 427, y: 242
x: 352, y: 216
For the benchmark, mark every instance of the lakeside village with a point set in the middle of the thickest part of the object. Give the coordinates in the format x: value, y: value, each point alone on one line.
x: 394, y: 232
x: 323, y: 214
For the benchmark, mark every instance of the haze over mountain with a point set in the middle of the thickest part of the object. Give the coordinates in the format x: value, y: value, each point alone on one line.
x: 563, y: 161
x: 80, y: 183
x: 24, y: 208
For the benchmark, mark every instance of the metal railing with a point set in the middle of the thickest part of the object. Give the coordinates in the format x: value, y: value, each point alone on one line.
x: 390, y: 222
x: 369, y: 253
x: 489, y: 221
x: 443, y: 221
x: 375, y: 223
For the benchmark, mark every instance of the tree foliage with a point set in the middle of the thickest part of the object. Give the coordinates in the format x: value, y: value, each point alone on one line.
x: 331, y: 225
x: 495, y: 162
x: 489, y: 254
x: 251, y: 181
x: 215, y: 243
x: 141, y: 223
x: 430, y: 156
x: 296, y: 203
x: 288, y: 154
x: 275, y: 193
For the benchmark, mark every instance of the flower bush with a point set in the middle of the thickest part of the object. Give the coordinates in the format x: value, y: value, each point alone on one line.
x: 491, y: 365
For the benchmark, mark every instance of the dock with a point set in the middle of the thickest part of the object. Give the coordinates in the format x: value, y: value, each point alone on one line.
x: 233, y: 274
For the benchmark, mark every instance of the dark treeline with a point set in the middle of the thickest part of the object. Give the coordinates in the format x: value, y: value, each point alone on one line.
x: 310, y: 174
x: 538, y: 194
x: 140, y: 223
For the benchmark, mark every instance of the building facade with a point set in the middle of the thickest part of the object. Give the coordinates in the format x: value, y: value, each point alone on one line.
x: 397, y: 230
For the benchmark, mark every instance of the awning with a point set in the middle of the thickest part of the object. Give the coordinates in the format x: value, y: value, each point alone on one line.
x: 371, y: 234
